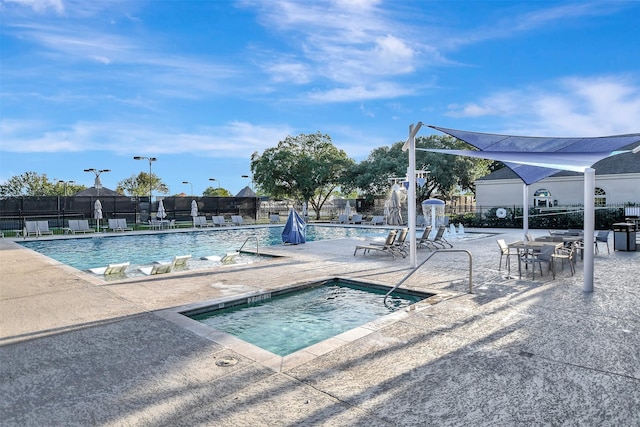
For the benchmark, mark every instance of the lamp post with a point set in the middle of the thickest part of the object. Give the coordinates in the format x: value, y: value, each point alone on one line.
x: 97, y: 182
x: 187, y: 182
x: 151, y: 160
x: 218, y: 181
x: 65, y: 185
x: 247, y: 176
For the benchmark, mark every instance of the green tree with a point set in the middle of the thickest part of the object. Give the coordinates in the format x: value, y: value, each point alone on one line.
x: 307, y: 168
x: 34, y: 184
x: 139, y: 185
x: 447, y: 174
x: 216, y: 192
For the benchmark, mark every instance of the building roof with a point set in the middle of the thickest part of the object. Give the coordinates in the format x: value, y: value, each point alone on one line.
x: 246, y: 192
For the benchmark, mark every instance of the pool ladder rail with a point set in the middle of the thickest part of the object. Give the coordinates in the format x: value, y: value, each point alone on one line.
x: 247, y: 240
x: 427, y: 259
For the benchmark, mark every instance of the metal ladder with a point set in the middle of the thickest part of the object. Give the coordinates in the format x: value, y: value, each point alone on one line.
x: 427, y: 259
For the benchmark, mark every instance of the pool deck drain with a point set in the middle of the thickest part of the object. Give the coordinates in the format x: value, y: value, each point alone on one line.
x: 80, y: 351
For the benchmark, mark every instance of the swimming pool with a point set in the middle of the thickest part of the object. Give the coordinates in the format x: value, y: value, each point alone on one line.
x: 143, y: 249
x: 285, y: 321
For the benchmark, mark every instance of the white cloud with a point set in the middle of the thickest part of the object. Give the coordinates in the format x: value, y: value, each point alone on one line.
x: 235, y: 139
x: 41, y: 6
x: 567, y: 107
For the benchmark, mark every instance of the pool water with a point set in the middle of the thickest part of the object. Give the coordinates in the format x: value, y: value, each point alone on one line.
x: 297, y: 319
x: 144, y: 249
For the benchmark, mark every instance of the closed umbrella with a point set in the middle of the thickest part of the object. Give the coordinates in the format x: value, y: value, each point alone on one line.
x: 395, y: 216
x: 161, y: 214
x: 295, y: 229
x: 194, y: 211
x: 97, y: 213
x: 347, y: 209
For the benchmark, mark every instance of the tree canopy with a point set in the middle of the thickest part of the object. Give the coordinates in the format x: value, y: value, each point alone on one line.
x: 33, y: 184
x: 307, y: 167
x: 447, y: 174
x: 216, y: 192
x: 138, y: 185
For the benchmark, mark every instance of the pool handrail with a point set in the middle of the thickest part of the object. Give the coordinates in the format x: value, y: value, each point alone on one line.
x: 427, y: 259
x: 245, y: 242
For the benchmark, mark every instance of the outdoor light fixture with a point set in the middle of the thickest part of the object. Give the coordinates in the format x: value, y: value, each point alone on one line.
x: 97, y: 182
x: 187, y: 182
x: 247, y: 176
x: 213, y: 179
x: 65, y: 185
x: 151, y: 159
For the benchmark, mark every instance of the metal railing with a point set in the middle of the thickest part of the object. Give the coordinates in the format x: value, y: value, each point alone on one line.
x: 247, y: 240
x: 427, y: 259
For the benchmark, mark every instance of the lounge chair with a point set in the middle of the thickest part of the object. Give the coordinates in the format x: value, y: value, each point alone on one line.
x: 439, y: 239
x: 31, y: 229
x: 114, y: 225
x: 111, y: 269
x: 43, y: 228
x: 78, y: 226
x: 201, y: 221
x: 424, y: 241
x: 219, y: 221
x: 274, y: 219
x: 122, y: 224
x: 387, y: 247
x: 159, y: 268
x: 155, y: 224
x: 342, y: 219
x: 356, y: 219
x: 237, y: 220
x: 178, y: 261
x: 376, y: 220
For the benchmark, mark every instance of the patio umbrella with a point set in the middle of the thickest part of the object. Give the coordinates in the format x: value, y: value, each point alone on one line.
x: 295, y: 229
x: 161, y: 214
x: 194, y: 211
x: 97, y: 213
x: 347, y: 209
x: 395, y: 216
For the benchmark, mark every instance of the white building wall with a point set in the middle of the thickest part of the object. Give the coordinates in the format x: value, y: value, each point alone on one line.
x: 567, y: 190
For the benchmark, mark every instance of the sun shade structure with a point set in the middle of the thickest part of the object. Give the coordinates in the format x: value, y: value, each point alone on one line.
x: 536, y: 158
x: 533, y: 159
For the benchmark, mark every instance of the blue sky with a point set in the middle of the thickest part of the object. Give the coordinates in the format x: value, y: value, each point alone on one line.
x: 203, y: 84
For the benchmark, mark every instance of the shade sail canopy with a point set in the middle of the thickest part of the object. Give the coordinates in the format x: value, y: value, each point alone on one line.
x: 536, y: 158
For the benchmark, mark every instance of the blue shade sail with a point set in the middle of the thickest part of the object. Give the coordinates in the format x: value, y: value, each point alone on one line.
x: 536, y: 158
x: 295, y: 229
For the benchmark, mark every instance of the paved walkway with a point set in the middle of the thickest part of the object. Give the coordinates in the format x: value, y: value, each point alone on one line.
x: 76, y: 350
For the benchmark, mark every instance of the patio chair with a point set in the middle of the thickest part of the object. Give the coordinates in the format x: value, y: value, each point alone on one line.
x: 544, y: 256
x: 274, y: 219
x: 504, y: 253
x: 567, y: 253
x: 114, y: 225
x: 155, y: 224
x: 219, y: 221
x: 375, y: 220
x: 385, y: 248
x: 602, y: 237
x: 31, y: 229
x: 237, y: 220
x: 158, y: 268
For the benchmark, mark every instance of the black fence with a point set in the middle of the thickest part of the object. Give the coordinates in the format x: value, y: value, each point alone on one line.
x: 59, y: 209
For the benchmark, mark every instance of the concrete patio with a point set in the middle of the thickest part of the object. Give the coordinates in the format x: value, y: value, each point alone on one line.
x: 78, y: 350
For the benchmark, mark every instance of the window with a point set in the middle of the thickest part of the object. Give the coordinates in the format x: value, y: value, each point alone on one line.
x: 600, y: 197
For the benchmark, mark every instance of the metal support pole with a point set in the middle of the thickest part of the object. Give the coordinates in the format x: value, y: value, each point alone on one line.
x: 411, y: 202
x: 589, y: 226
x: 525, y: 211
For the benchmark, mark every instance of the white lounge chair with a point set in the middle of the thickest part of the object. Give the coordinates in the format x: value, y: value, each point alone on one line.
x: 386, y: 248
x: 356, y: 219
x: 43, y: 228
x: 274, y: 219
x: 111, y: 269
x: 80, y: 226
x: 237, y: 220
x: 114, y: 225
x: 376, y: 220
x: 160, y: 268
x: 31, y: 229
x: 342, y: 219
x: 122, y: 224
